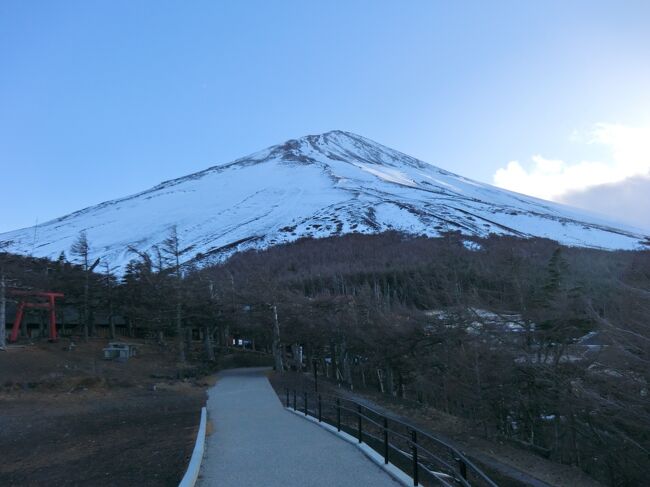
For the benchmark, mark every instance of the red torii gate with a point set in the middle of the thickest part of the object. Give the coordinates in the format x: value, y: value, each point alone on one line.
x: 50, y: 305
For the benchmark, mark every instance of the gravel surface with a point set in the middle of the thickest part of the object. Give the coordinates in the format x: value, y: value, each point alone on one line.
x: 256, y: 442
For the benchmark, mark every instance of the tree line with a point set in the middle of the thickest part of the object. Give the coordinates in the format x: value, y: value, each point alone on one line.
x: 543, y: 345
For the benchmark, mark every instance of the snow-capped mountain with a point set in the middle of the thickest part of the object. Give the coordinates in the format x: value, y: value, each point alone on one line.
x: 315, y: 186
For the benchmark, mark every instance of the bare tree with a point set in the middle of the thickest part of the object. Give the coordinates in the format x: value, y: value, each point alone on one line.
x: 81, y: 249
x: 3, y: 310
x: 3, y: 300
x: 172, y: 249
x: 277, y: 344
x: 110, y: 283
x: 207, y: 332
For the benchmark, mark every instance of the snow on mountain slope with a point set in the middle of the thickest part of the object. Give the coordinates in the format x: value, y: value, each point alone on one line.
x: 316, y: 186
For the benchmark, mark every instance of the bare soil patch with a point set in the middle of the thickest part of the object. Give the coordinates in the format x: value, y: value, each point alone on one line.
x: 70, y: 418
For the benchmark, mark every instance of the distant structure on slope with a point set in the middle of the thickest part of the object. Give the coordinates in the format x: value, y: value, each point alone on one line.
x: 315, y: 186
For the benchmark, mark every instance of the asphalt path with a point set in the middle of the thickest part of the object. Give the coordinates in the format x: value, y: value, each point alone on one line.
x: 256, y: 442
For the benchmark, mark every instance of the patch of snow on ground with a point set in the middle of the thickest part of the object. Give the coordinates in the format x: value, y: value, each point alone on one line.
x: 471, y: 245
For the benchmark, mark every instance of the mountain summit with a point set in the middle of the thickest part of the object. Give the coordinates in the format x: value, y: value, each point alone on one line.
x: 315, y: 186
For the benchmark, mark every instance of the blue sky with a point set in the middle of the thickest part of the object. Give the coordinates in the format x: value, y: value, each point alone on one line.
x: 99, y: 99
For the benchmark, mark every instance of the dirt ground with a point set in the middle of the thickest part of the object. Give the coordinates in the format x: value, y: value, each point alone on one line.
x: 507, y: 465
x: 69, y: 418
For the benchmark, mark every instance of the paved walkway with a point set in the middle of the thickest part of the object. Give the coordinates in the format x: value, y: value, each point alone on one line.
x: 255, y: 442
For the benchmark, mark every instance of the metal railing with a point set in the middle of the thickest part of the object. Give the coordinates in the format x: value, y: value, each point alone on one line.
x: 427, y: 459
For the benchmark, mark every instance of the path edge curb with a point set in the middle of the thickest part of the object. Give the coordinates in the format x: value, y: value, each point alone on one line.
x: 192, y: 473
x: 375, y: 457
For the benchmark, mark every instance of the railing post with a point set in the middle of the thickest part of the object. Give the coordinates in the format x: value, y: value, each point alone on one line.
x: 385, y: 440
x: 305, y: 403
x: 360, y: 424
x: 414, y: 446
x: 462, y: 467
x: 338, y: 414
x: 287, y: 397
x: 320, y: 409
x: 294, y: 400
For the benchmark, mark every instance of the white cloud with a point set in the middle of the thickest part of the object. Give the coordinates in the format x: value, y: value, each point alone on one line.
x: 553, y: 178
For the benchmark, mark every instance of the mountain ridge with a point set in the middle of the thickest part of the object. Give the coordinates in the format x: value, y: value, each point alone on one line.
x: 314, y: 186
